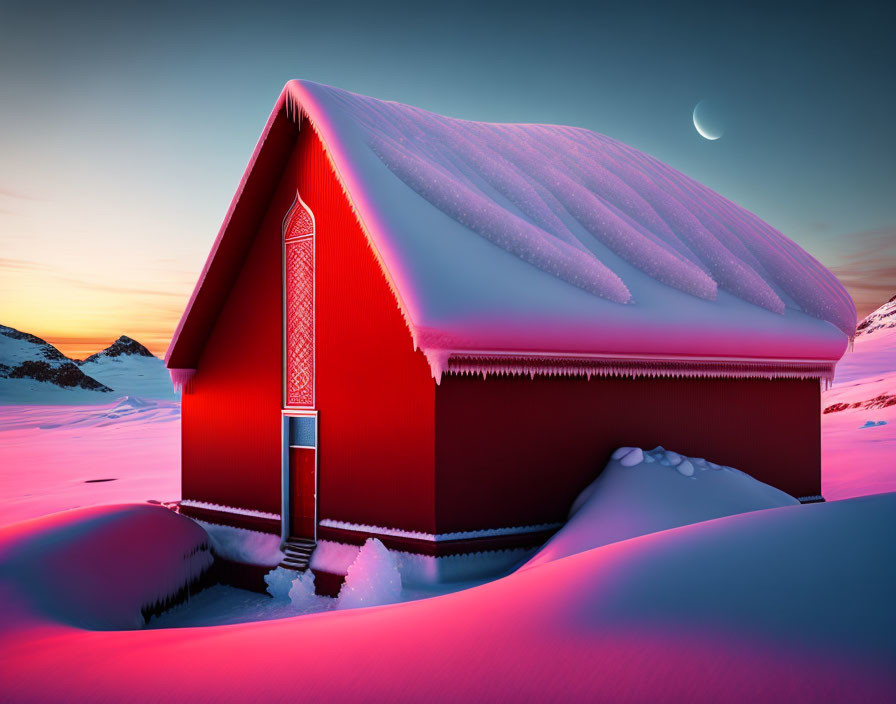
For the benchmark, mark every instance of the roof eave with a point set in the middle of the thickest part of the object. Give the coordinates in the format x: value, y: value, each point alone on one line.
x: 468, y: 362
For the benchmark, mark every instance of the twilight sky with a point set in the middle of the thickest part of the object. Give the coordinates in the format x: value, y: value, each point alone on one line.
x: 125, y: 126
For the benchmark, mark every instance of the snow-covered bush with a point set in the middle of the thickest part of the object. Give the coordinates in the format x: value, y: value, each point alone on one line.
x: 372, y: 580
x: 279, y: 581
x: 303, y: 597
x: 298, y: 589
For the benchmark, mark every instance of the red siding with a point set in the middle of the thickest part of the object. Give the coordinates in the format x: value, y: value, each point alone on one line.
x: 375, y: 394
x: 231, y: 417
x: 514, y: 450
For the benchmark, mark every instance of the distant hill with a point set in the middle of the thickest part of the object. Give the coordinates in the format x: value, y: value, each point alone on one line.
x: 883, y: 318
x: 124, y: 346
x: 32, y: 371
x: 859, y: 412
x: 130, y: 368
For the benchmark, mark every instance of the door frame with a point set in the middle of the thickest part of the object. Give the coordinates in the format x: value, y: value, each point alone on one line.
x: 285, y: 488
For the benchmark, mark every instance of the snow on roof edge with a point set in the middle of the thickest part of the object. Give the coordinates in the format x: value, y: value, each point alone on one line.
x: 472, y: 364
x: 298, y: 102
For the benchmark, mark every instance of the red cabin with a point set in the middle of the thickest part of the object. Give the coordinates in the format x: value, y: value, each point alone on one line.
x: 435, y: 332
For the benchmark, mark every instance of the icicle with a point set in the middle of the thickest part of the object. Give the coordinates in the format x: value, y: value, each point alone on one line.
x: 181, y: 378
x: 438, y: 362
x: 620, y: 368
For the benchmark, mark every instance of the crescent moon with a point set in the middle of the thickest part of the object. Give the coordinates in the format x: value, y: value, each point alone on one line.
x: 701, y: 129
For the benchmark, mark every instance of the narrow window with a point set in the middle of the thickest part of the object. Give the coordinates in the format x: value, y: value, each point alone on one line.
x: 298, y: 249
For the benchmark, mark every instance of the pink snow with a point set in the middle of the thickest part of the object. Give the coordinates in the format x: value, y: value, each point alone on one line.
x: 52, y: 456
x: 695, y: 613
x: 641, y: 492
x: 98, y: 568
x: 692, y: 614
x: 855, y: 459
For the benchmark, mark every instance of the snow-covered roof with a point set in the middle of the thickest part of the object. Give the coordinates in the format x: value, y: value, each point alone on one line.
x: 542, y: 248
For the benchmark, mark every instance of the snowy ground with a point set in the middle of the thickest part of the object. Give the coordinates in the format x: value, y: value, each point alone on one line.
x: 133, y: 375
x: 786, y: 604
x: 859, y: 442
x: 221, y: 605
x: 54, y: 458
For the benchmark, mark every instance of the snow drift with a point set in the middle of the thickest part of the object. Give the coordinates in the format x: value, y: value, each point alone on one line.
x: 102, y: 567
x: 645, y: 492
x: 778, y: 605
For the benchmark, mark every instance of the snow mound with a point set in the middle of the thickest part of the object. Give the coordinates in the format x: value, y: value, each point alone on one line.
x: 126, y: 410
x: 279, y: 581
x: 642, y: 492
x: 303, y: 598
x: 771, y: 606
x: 372, y: 579
x: 132, y: 403
x: 104, y: 567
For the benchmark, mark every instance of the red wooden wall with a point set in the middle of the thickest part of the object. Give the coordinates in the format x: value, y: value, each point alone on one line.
x: 375, y: 394
x: 514, y: 450
x: 231, y: 417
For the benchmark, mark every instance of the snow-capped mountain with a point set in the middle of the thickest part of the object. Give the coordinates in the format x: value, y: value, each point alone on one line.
x: 123, y: 346
x: 883, y: 318
x: 872, y: 359
x: 32, y: 371
x: 130, y: 368
x: 859, y: 410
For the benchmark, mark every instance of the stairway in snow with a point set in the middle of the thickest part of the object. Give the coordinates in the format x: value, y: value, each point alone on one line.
x: 297, y: 553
